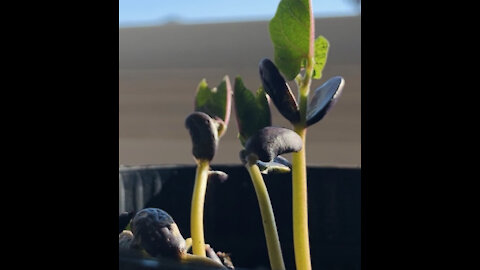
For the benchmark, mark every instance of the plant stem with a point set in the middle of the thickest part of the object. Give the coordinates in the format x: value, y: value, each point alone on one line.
x: 268, y: 218
x: 299, y: 180
x: 300, y: 210
x: 198, y: 200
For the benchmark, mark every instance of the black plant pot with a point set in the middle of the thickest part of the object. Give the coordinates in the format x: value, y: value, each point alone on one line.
x: 232, y: 219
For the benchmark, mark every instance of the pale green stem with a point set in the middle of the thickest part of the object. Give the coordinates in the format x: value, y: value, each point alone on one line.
x: 268, y: 218
x: 300, y: 208
x: 198, y: 200
x: 299, y: 181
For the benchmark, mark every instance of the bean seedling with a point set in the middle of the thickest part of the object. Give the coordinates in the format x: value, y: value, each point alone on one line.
x: 206, y: 125
x: 298, y: 57
x: 263, y: 144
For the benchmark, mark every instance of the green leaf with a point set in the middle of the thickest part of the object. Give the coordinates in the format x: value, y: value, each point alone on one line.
x: 252, y: 111
x: 321, y: 52
x: 290, y: 34
x: 214, y: 102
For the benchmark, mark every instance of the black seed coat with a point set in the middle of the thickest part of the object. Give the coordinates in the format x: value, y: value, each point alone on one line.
x: 269, y: 142
x: 279, y: 91
x: 204, y: 135
x: 156, y: 232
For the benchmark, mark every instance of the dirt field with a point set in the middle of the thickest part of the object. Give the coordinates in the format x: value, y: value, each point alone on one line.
x: 160, y: 68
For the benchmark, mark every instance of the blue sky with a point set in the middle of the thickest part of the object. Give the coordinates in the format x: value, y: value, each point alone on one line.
x: 149, y: 12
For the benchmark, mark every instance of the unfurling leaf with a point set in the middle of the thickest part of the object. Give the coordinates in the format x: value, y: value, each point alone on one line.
x: 252, y: 111
x: 215, y: 102
x: 290, y: 35
x: 321, y: 53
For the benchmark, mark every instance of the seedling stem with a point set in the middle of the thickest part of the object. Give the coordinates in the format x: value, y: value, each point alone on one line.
x: 198, y: 199
x: 299, y: 180
x: 268, y: 218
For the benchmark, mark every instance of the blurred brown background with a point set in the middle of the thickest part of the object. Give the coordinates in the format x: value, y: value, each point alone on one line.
x: 161, y: 66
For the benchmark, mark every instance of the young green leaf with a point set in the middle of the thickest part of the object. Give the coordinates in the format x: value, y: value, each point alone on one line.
x: 252, y: 111
x: 291, y: 32
x: 321, y: 52
x: 215, y: 102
